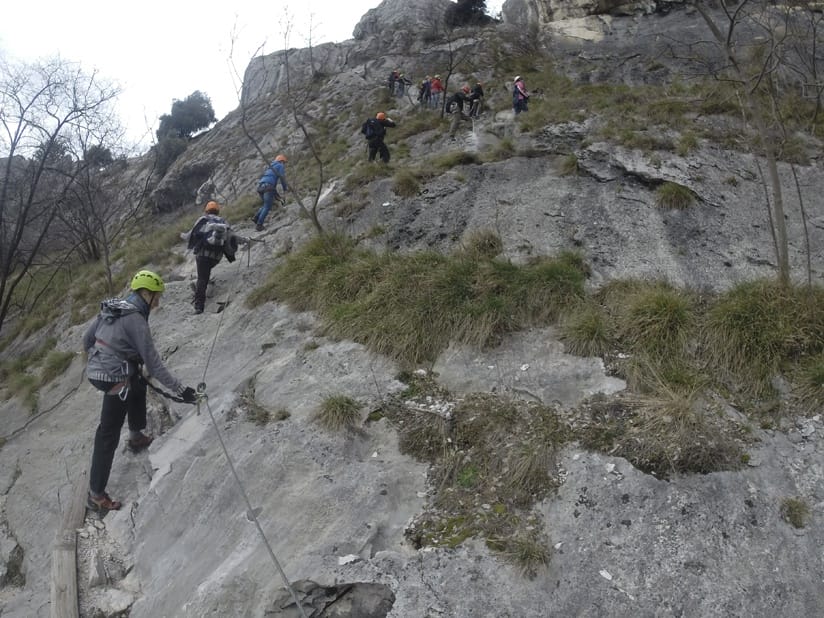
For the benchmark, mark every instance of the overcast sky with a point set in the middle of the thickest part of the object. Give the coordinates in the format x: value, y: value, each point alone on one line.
x: 159, y: 51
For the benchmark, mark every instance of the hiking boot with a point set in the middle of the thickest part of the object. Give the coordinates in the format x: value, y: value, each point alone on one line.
x: 139, y: 444
x: 259, y: 227
x: 198, y: 309
x: 103, y: 503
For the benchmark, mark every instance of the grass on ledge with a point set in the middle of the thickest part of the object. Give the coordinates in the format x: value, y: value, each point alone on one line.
x: 410, y: 307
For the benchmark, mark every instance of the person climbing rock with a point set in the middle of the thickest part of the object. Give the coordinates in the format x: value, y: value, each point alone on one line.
x: 267, y: 188
x: 374, y: 129
x: 211, y: 238
x: 455, y: 106
x: 476, y: 99
x: 520, y: 97
x: 118, y: 343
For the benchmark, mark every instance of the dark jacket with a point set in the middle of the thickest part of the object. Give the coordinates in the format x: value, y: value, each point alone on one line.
x: 458, y: 99
x: 477, y: 92
x: 118, y: 341
x: 378, y: 127
x: 199, y: 235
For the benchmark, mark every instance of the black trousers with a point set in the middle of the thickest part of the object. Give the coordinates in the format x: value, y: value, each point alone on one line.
x: 376, y: 146
x: 204, y: 271
x: 107, y: 437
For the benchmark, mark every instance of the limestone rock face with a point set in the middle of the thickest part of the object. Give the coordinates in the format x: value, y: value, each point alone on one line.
x: 335, y: 507
x: 526, y: 12
x: 392, y: 15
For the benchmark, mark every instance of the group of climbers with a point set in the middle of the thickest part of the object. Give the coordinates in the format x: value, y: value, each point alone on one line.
x: 398, y: 83
x: 430, y: 92
x: 119, y: 343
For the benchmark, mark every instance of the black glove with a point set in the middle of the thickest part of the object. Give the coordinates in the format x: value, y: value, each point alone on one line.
x: 189, y: 395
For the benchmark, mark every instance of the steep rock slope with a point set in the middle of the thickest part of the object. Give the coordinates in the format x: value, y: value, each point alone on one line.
x: 334, y: 506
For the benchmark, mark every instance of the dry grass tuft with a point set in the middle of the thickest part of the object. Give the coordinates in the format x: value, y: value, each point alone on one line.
x: 338, y: 412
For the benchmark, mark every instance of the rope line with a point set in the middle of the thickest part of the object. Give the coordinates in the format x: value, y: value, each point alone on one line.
x: 250, y: 511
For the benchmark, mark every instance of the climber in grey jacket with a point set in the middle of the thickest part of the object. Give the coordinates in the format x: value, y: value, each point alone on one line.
x: 118, y: 343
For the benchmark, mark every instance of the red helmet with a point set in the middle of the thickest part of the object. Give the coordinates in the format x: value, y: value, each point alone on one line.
x: 465, y: 88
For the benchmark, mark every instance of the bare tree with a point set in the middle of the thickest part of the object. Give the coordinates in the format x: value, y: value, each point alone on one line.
x: 293, y: 99
x: 40, y: 107
x: 97, y: 211
x: 752, y: 38
x: 461, y: 46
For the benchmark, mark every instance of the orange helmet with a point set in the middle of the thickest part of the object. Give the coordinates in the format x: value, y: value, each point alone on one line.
x: 380, y: 116
x: 465, y: 88
x: 281, y: 158
x: 212, y: 207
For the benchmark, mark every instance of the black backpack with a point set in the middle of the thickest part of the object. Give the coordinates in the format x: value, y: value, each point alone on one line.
x: 372, y: 128
x: 214, y: 232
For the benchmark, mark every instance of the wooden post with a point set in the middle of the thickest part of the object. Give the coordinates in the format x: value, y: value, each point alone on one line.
x: 64, y: 601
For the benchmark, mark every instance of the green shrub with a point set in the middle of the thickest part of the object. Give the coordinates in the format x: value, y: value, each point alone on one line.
x: 24, y: 386
x: 410, y: 307
x: 687, y: 143
x: 664, y: 432
x: 810, y: 379
x: 585, y: 330
x: 657, y: 320
x: 483, y: 486
x: 405, y: 184
x: 759, y: 327
x: 55, y: 364
x: 569, y: 166
x: 667, y: 111
x: 675, y: 196
x: 529, y: 552
x: 449, y: 160
x: 167, y: 150
x: 538, y: 116
x: 795, y: 511
x: 504, y: 149
x: 338, y: 412
x: 364, y: 173
x: 645, y: 140
x: 480, y: 245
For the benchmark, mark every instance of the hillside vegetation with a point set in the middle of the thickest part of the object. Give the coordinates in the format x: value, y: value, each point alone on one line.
x: 685, y: 354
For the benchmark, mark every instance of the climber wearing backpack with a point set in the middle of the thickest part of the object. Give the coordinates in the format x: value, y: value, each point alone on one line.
x: 374, y: 129
x: 210, y: 238
x: 268, y: 189
x: 520, y: 97
x: 455, y: 106
x: 118, y: 342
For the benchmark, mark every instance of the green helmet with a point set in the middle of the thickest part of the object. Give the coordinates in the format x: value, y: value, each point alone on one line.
x: 147, y: 280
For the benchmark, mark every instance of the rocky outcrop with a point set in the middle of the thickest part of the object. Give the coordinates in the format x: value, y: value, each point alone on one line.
x: 526, y: 12
x: 416, y: 16
x: 335, y: 506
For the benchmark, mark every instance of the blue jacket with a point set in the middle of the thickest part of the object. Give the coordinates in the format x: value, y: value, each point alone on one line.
x: 274, y: 172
